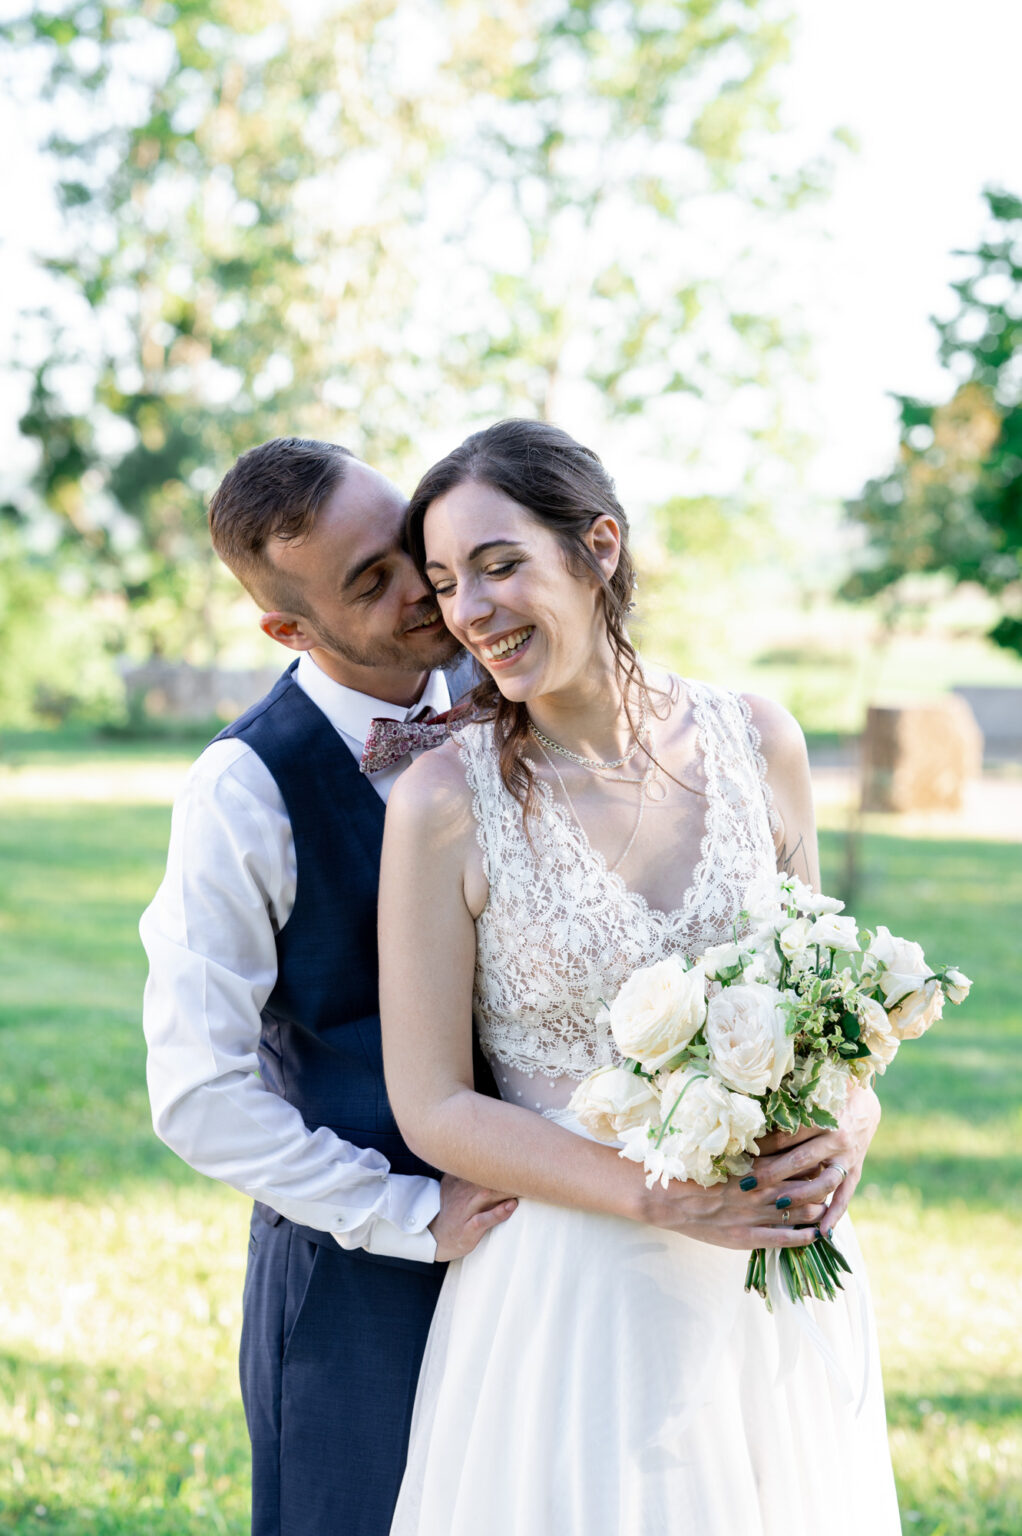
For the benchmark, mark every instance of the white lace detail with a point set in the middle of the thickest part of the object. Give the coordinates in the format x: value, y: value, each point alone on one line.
x: 756, y: 743
x: 560, y: 933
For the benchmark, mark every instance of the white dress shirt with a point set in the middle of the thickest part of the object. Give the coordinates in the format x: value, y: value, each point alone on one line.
x: 210, y: 937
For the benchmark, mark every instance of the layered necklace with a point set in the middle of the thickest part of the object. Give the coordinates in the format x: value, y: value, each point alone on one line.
x: 650, y: 785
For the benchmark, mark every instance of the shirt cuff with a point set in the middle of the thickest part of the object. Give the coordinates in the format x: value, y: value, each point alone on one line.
x: 404, y: 1233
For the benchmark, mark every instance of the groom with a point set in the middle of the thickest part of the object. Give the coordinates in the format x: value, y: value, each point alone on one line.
x: 261, y: 1011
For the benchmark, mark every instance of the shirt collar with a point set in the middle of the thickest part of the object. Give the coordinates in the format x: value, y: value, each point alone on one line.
x: 351, y: 712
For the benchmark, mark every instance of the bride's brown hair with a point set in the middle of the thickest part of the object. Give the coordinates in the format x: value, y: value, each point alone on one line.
x: 566, y: 488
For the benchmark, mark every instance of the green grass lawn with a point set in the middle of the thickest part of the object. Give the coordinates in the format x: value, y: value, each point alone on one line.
x: 121, y: 1271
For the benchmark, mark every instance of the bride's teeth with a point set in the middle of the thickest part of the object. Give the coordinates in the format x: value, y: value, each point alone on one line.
x: 510, y: 643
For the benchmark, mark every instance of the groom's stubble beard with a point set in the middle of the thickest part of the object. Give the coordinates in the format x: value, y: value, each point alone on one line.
x: 395, y: 654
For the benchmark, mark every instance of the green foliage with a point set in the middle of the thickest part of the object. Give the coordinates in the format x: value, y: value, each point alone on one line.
x: 55, y: 664
x: 953, y: 504
x: 368, y: 227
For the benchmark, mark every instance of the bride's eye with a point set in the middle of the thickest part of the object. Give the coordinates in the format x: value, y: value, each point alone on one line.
x: 443, y: 591
x: 504, y: 569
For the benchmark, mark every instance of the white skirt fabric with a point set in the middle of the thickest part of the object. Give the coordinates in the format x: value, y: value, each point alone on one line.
x: 587, y: 1376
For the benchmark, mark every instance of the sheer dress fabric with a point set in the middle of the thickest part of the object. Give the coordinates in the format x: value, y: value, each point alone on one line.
x: 586, y: 1375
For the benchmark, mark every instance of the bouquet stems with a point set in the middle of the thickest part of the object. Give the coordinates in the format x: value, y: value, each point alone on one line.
x: 813, y: 1271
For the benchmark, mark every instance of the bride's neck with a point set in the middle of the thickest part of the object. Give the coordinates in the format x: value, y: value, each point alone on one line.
x: 589, y: 717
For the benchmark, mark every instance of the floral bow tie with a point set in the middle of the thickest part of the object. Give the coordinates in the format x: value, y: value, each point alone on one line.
x: 388, y: 741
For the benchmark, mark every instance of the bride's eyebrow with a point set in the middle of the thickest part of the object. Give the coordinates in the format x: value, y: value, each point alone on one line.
x: 473, y: 554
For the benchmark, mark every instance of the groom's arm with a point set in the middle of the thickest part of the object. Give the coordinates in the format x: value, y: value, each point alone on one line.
x: 209, y: 935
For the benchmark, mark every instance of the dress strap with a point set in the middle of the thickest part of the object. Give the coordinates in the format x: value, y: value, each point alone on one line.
x: 759, y: 762
x: 482, y: 775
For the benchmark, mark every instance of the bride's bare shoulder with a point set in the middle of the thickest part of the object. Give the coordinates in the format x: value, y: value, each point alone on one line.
x: 432, y: 797
x: 781, y: 736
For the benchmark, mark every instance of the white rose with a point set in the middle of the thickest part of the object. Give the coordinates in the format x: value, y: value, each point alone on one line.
x: 902, y: 965
x: 958, y: 985
x: 835, y: 932
x: 795, y: 937
x: 707, y: 1123
x: 718, y: 958
x: 658, y: 1010
x: 614, y: 1100
x: 831, y: 1090
x: 914, y: 1014
x: 745, y: 1030
x: 877, y: 1033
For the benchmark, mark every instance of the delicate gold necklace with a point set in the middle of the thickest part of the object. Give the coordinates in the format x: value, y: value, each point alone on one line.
x: 595, y: 763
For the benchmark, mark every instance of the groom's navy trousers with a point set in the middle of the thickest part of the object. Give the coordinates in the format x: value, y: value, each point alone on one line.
x: 331, y: 1340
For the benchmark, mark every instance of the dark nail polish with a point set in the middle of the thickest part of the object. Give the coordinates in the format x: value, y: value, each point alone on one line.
x: 830, y: 1233
x: 783, y: 1203
x: 749, y: 1182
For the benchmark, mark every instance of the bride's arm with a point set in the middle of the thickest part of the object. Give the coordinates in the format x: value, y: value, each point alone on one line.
x: 430, y: 876
x: 788, y: 778
x: 431, y: 888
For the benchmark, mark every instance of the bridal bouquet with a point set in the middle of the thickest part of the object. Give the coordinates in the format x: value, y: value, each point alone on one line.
x: 764, y: 1033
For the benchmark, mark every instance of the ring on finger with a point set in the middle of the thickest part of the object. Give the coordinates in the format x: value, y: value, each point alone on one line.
x: 785, y: 1218
x: 842, y: 1171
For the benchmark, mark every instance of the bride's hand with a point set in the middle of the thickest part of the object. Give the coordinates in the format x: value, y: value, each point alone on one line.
x: 732, y: 1217
x: 790, y: 1160
x: 801, y: 1172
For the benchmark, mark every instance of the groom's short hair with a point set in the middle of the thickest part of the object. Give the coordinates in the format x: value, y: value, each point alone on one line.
x: 274, y: 491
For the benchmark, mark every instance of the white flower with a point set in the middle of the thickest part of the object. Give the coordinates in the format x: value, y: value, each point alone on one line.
x: 614, y: 1100
x: 765, y: 964
x: 902, y: 965
x: 877, y: 1033
x: 672, y: 1159
x: 765, y: 898
x: 958, y: 985
x: 835, y: 932
x: 745, y: 1030
x: 808, y: 901
x: 720, y: 957
x: 795, y: 937
x: 913, y: 1015
x: 658, y: 1010
x: 708, y: 1123
x: 831, y: 1089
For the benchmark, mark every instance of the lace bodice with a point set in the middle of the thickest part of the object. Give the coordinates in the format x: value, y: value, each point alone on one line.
x: 560, y: 933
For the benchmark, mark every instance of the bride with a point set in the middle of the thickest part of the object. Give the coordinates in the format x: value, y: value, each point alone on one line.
x: 595, y: 1367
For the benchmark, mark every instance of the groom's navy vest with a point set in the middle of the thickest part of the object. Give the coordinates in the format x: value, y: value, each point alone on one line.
x: 320, y: 1046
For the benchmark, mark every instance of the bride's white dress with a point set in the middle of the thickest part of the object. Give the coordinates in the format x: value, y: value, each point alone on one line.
x: 585, y: 1375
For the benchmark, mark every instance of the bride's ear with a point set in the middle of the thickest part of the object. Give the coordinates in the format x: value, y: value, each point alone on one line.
x: 604, y: 540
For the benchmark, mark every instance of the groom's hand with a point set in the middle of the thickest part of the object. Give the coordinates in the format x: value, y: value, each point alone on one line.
x: 466, y: 1213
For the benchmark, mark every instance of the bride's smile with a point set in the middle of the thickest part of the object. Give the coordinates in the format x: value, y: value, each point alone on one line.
x: 509, y: 591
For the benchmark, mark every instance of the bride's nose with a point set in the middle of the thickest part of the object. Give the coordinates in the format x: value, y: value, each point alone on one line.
x: 470, y: 607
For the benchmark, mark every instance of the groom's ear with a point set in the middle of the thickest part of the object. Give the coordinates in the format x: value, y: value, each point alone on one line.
x: 288, y: 629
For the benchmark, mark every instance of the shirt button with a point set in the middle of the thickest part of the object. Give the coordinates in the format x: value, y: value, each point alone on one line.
x: 410, y: 1223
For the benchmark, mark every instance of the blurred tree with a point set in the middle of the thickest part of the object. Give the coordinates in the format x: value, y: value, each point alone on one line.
x: 186, y: 136
x: 363, y: 221
x: 953, y: 503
